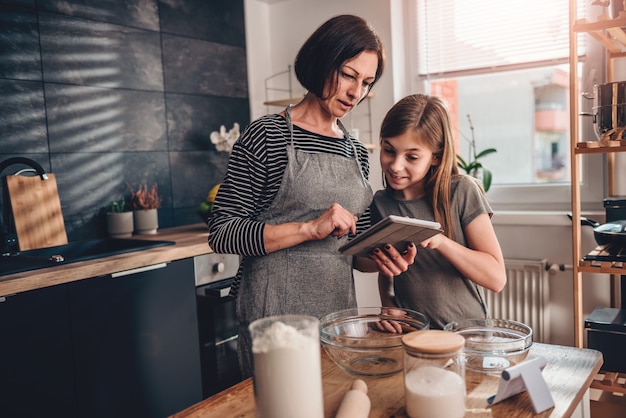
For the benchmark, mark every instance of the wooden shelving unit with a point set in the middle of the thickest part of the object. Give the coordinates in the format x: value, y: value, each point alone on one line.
x: 611, y: 35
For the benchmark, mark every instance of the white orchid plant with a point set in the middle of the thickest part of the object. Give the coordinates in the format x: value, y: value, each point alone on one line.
x: 224, y: 140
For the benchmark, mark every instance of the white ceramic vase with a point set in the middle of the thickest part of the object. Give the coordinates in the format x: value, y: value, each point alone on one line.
x: 146, y: 221
x: 120, y: 225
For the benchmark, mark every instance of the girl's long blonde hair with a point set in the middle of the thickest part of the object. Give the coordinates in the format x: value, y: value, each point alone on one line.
x: 429, y: 118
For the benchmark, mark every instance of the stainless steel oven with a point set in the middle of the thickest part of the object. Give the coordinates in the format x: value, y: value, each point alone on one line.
x: 217, y: 321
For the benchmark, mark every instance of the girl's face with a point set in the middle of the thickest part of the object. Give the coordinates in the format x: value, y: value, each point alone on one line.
x: 353, y: 83
x: 405, y: 161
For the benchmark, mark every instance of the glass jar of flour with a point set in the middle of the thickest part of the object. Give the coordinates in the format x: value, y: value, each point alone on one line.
x: 434, y: 374
x: 287, y: 367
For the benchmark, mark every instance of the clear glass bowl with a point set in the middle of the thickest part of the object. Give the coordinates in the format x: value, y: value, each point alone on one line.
x: 492, y: 345
x: 358, y: 342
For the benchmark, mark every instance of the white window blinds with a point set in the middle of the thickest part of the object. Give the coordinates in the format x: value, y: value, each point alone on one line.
x: 492, y: 35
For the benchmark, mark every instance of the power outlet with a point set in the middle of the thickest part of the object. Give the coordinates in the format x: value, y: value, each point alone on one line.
x: 9, y: 243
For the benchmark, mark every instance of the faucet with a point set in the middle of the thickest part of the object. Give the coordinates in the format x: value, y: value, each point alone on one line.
x: 8, y: 237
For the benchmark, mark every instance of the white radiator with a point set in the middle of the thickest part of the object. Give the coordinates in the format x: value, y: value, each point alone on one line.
x: 525, y: 298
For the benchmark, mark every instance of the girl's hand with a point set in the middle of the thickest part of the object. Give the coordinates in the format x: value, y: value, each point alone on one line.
x: 392, y: 262
x: 391, y: 325
x: 433, y: 242
x: 387, y: 325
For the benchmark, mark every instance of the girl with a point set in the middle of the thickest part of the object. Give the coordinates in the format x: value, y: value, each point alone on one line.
x: 418, y: 160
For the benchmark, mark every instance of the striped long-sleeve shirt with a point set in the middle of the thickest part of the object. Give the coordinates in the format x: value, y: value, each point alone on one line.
x: 255, y: 171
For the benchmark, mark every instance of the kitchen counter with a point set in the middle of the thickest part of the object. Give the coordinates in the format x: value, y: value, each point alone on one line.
x: 569, y: 374
x: 191, y: 240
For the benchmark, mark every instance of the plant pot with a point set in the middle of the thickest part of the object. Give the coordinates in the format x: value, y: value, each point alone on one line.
x: 120, y: 225
x: 146, y: 221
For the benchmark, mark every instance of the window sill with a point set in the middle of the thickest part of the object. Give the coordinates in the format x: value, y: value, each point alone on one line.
x: 540, y: 218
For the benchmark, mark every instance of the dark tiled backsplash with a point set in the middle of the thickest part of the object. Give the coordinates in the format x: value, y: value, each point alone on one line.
x: 108, y: 99
x: 134, y: 13
x: 95, y: 119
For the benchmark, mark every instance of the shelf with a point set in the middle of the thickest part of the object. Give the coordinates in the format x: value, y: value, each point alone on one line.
x: 597, y: 147
x: 600, y: 260
x: 609, y: 32
x: 610, y: 382
x: 283, y: 102
x: 293, y: 100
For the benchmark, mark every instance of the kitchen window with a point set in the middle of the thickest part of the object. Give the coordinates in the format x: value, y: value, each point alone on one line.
x: 505, y: 64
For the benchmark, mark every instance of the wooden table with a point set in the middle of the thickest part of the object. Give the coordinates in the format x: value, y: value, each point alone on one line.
x: 569, y: 374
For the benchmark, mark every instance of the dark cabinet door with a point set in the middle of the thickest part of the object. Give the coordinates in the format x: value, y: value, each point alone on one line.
x: 136, y: 343
x: 36, y: 374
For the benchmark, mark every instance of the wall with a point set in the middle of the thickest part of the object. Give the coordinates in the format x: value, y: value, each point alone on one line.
x: 104, y: 93
x: 549, y: 235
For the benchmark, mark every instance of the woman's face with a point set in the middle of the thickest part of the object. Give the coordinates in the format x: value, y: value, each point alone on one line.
x: 405, y: 161
x: 353, y: 82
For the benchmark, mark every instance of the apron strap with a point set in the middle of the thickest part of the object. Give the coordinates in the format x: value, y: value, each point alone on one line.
x: 346, y: 135
x: 289, y: 123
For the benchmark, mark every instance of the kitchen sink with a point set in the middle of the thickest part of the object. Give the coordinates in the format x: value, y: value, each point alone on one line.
x: 73, y: 252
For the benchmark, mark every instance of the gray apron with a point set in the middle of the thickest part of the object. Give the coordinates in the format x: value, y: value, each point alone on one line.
x: 312, y: 278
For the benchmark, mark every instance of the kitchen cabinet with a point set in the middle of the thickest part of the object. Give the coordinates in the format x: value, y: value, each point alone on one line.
x: 117, y: 345
x: 135, y: 342
x: 36, y: 367
x: 610, y: 34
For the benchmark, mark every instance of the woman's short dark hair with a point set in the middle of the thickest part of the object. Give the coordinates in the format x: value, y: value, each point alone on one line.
x: 336, y: 41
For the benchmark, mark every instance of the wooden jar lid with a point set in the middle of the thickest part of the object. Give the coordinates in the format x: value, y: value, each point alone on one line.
x: 433, y: 341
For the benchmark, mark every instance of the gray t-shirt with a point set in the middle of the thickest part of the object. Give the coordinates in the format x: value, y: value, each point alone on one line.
x: 432, y: 285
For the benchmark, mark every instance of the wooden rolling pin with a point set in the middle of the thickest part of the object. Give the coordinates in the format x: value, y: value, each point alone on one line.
x: 355, y: 403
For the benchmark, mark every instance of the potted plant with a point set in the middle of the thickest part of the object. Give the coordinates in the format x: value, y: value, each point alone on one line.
x: 145, y: 202
x: 473, y: 167
x: 119, y: 220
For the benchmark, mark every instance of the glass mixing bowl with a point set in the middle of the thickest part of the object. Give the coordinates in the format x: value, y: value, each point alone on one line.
x: 359, y: 340
x: 492, y: 345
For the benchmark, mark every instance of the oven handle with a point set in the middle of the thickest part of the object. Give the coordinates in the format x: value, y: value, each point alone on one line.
x: 217, y: 290
x: 226, y: 340
x: 221, y: 292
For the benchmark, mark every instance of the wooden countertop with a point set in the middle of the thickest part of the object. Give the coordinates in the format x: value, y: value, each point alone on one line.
x: 191, y: 240
x: 569, y: 374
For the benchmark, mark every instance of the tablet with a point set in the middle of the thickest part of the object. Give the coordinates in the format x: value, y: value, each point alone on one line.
x: 396, y: 230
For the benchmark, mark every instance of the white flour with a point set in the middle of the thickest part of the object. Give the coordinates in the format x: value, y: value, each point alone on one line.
x: 287, y: 373
x: 432, y: 392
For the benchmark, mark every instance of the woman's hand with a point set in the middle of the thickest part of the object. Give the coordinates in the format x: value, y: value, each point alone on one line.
x: 335, y: 221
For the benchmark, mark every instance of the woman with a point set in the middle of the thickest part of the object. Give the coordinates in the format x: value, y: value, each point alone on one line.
x: 418, y: 160
x: 296, y: 185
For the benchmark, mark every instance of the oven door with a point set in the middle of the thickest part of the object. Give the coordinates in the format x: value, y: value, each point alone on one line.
x: 218, y: 328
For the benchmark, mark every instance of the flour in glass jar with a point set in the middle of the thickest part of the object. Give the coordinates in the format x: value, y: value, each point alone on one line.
x: 287, y: 372
x: 433, y: 392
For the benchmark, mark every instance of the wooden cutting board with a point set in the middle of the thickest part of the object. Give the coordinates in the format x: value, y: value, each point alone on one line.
x: 36, y: 210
